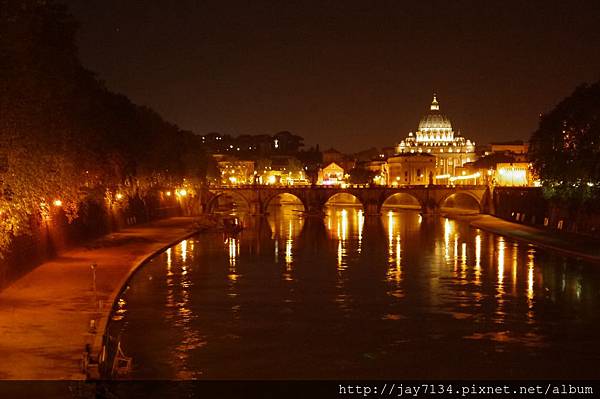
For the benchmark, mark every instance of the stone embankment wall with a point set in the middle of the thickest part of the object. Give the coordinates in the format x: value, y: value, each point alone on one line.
x: 49, y: 236
x: 527, y: 205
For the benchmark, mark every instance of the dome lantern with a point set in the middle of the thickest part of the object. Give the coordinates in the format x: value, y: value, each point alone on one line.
x: 434, y: 104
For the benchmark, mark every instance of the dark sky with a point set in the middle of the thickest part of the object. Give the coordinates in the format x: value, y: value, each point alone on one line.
x: 344, y: 73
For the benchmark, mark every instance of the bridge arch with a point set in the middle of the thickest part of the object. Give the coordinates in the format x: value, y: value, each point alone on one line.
x: 269, y: 200
x: 213, y: 201
x: 401, y: 200
x: 461, y: 200
x: 343, y: 198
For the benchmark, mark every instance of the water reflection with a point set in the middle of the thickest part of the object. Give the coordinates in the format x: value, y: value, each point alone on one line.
x: 285, y: 221
x: 358, y: 296
x: 345, y: 224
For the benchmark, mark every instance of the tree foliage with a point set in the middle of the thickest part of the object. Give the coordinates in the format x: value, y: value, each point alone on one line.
x: 565, y: 149
x: 360, y: 175
x: 63, y: 135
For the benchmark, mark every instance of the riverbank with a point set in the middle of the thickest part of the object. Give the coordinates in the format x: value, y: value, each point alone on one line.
x: 45, y: 317
x: 569, y: 244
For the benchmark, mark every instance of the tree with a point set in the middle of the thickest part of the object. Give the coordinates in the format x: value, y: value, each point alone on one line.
x: 65, y: 138
x: 565, y: 149
x: 361, y: 176
x: 287, y: 143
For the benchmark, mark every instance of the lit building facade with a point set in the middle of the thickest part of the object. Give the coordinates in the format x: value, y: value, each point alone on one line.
x: 435, y: 136
x: 331, y: 174
x: 236, y: 171
x: 496, y: 170
x: 380, y: 169
x: 514, y: 174
x: 280, y: 170
x: 411, y: 169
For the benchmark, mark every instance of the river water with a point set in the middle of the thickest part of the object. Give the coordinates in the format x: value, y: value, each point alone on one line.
x: 349, y: 296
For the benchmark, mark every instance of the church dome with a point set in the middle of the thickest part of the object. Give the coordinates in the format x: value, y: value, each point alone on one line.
x: 435, y: 120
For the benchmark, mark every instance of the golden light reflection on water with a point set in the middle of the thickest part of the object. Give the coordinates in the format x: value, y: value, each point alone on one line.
x: 393, y: 221
x: 184, y: 245
x: 478, y: 259
x: 448, y: 231
x: 286, y: 222
x: 530, y: 267
x: 360, y: 221
x: 233, y: 245
x: 515, y: 265
x: 500, y: 314
x: 190, y: 338
x: 501, y: 254
x: 411, y: 260
x: 170, y: 298
x: 349, y: 224
x: 463, y: 261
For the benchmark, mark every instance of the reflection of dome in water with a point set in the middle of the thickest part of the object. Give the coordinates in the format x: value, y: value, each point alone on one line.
x: 435, y: 120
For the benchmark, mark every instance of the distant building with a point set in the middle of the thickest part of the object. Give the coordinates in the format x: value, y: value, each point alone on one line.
x: 498, y: 169
x: 411, y: 169
x: 517, y: 148
x: 380, y: 170
x: 235, y: 171
x: 331, y: 174
x: 514, y: 174
x: 435, y: 136
x: 280, y: 169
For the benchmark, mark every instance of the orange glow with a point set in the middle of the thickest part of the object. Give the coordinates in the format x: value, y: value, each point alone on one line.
x: 57, y: 202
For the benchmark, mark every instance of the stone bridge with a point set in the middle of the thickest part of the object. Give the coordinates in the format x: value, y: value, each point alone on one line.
x: 430, y: 198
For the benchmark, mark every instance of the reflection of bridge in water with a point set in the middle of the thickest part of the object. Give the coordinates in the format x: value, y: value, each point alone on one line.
x: 429, y: 199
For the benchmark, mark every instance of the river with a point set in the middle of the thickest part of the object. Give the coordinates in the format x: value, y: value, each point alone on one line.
x: 350, y: 296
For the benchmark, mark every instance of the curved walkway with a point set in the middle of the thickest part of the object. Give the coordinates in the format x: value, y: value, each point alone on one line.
x: 45, y: 316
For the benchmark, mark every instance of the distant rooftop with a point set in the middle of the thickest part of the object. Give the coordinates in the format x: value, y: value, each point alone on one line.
x: 513, y: 142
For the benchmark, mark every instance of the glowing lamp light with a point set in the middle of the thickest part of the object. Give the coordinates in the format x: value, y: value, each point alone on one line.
x: 168, y: 193
x: 473, y: 176
x: 57, y: 202
x: 182, y: 192
x: 119, y: 196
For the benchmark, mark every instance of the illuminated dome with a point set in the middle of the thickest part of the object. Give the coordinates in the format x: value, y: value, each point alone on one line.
x: 435, y: 121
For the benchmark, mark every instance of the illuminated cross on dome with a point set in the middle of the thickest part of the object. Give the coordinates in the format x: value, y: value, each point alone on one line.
x: 434, y: 104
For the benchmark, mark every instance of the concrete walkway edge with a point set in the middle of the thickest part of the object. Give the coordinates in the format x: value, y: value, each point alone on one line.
x: 54, y: 318
x: 96, y: 350
x: 503, y: 227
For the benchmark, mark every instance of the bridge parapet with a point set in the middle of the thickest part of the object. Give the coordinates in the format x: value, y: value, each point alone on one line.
x: 314, y: 198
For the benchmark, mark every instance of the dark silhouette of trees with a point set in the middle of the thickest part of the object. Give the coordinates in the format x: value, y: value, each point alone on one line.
x: 64, y: 136
x: 360, y: 175
x: 565, y: 149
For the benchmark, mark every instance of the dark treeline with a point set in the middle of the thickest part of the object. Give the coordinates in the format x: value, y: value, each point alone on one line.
x: 565, y: 149
x: 65, y: 140
x: 565, y: 153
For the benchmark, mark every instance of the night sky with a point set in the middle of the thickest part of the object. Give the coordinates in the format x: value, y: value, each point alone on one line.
x: 343, y: 73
